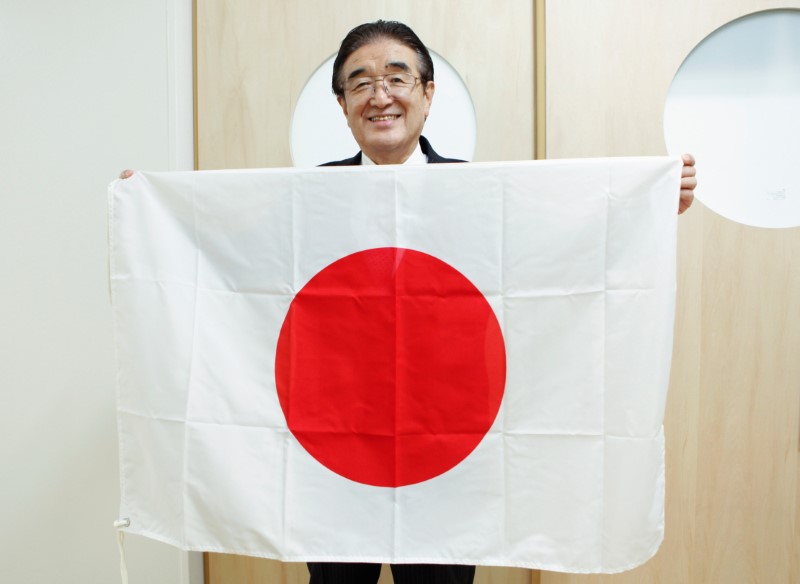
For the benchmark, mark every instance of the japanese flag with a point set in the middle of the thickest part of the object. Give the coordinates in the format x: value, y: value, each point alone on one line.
x: 461, y: 363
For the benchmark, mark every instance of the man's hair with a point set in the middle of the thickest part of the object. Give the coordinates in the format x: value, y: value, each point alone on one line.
x: 371, y: 32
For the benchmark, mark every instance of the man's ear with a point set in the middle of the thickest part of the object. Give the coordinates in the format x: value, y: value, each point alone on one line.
x: 429, y: 90
x: 342, y: 104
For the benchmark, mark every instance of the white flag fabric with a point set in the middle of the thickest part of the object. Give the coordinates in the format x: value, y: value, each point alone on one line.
x: 451, y: 363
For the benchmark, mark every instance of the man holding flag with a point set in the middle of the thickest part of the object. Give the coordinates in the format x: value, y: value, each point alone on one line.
x: 383, y: 79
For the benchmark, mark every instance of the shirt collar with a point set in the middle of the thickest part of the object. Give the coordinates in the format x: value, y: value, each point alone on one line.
x: 417, y: 157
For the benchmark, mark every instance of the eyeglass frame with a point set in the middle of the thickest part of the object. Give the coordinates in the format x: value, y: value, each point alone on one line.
x: 382, y: 78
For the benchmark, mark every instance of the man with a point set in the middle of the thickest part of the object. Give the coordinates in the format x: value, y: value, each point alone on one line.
x: 383, y: 80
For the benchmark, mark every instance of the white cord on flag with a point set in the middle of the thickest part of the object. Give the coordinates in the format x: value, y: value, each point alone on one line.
x: 120, y: 524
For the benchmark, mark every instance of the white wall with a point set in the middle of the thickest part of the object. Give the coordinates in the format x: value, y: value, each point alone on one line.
x: 86, y: 89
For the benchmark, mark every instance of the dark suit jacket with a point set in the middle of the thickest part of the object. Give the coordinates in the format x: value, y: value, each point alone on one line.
x: 433, y: 158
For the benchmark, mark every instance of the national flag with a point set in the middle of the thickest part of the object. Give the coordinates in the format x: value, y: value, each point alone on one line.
x: 461, y: 363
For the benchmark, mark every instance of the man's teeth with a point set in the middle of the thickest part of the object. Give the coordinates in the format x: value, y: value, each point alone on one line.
x: 383, y: 118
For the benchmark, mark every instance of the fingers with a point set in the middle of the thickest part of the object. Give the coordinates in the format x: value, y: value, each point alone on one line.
x: 688, y: 173
x: 688, y: 183
x: 127, y: 173
x: 686, y: 200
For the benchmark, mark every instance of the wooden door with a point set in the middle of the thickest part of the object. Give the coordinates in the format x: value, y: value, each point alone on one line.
x: 733, y: 492
x: 253, y: 58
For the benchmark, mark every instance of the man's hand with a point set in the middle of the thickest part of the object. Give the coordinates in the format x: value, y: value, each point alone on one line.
x: 688, y: 183
x: 127, y: 173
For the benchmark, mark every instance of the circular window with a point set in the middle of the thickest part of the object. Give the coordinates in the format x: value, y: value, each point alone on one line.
x: 735, y: 105
x: 320, y: 132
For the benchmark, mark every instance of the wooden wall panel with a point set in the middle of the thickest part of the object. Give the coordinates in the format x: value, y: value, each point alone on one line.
x: 255, y: 56
x: 733, y: 413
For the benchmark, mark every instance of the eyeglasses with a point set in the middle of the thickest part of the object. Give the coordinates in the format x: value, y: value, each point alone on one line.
x: 394, y: 84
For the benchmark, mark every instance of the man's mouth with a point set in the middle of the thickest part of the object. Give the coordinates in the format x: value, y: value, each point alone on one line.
x: 384, y: 118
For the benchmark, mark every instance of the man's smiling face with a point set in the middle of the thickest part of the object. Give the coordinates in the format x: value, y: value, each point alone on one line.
x: 386, y: 127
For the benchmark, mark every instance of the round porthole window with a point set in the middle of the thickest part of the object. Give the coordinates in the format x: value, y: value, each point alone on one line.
x: 320, y: 133
x: 735, y: 105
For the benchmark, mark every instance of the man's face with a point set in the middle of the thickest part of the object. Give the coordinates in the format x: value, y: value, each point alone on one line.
x: 386, y: 127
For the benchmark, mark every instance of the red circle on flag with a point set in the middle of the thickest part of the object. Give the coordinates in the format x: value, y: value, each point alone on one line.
x: 390, y: 367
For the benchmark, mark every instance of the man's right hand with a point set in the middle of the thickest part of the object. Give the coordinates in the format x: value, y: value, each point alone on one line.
x: 127, y: 173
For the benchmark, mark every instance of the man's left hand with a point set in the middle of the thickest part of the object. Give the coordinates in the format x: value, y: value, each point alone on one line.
x: 688, y: 183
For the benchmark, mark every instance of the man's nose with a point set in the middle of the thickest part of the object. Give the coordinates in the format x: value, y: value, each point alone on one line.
x: 380, y: 95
